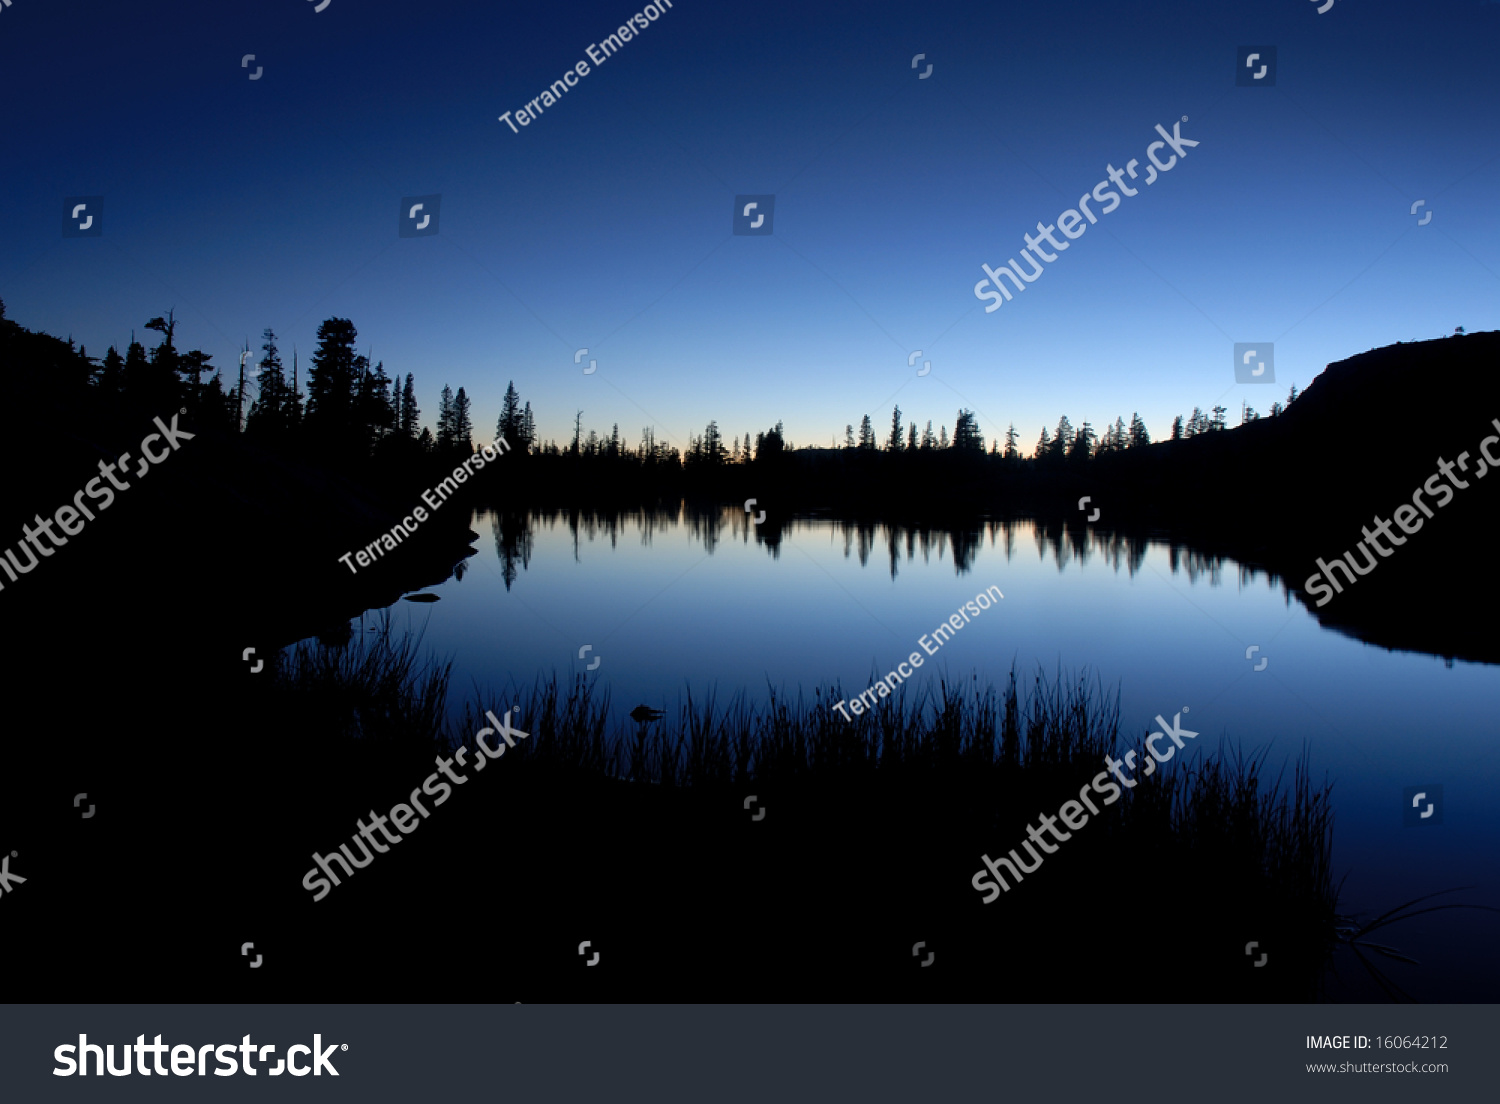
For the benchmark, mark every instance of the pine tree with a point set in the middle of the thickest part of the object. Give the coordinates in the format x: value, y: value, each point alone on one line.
x: 1011, y: 452
x: 966, y: 434
x: 1177, y: 428
x: 712, y: 449
x: 1218, y: 419
x: 191, y: 366
x: 333, y: 384
x: 1062, y: 440
x: 268, y: 414
x: 410, y: 412
x: 866, y: 433
x: 509, y: 426
x: 112, y: 373
x: 911, y: 437
x: 1043, y: 445
x: 1082, y: 445
x: 849, y: 436
x: 463, y: 424
x: 1138, y: 434
x: 770, y: 445
x: 445, y: 427
x: 893, y: 443
x: 163, y: 383
x: 929, y: 442
x: 137, y: 372
x: 389, y: 390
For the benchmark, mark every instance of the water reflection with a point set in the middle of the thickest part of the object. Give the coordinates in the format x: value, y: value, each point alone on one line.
x: 1064, y: 542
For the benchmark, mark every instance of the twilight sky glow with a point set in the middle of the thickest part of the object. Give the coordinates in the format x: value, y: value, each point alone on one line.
x: 605, y: 224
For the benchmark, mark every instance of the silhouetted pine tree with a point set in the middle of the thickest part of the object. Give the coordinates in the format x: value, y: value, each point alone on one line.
x: 410, y: 413
x: 769, y: 445
x: 712, y: 445
x: 111, y: 373
x: 463, y: 424
x: 137, y: 377
x: 1062, y: 440
x: 270, y: 416
x: 966, y: 434
x: 161, y: 384
x: 333, y: 384
x: 509, y: 425
x: 206, y: 400
x: 377, y: 405
x: 1083, y: 442
x: 446, y: 430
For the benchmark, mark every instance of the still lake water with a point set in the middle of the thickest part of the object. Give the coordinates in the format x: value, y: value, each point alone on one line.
x: 668, y: 601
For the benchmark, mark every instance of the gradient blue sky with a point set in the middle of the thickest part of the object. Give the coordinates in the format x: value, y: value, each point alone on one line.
x: 606, y: 223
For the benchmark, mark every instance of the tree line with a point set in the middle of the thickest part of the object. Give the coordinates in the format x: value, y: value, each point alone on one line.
x: 343, y: 406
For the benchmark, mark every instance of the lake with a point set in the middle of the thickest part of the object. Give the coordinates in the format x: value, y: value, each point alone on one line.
x: 660, y: 602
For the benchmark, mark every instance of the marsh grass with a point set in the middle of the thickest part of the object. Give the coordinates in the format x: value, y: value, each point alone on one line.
x: 875, y: 825
x: 376, y: 688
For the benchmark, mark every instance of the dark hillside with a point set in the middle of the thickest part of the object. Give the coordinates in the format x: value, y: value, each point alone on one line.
x: 1369, y: 432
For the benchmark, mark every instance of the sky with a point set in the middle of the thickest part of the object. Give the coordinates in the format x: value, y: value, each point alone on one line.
x: 605, y: 224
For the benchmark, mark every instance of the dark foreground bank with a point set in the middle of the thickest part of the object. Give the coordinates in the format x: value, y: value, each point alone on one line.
x: 741, y: 851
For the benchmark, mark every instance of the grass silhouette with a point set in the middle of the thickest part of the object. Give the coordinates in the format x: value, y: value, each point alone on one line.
x: 636, y: 832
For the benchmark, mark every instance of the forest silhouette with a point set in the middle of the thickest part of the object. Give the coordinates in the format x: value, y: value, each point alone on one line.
x: 338, y: 451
